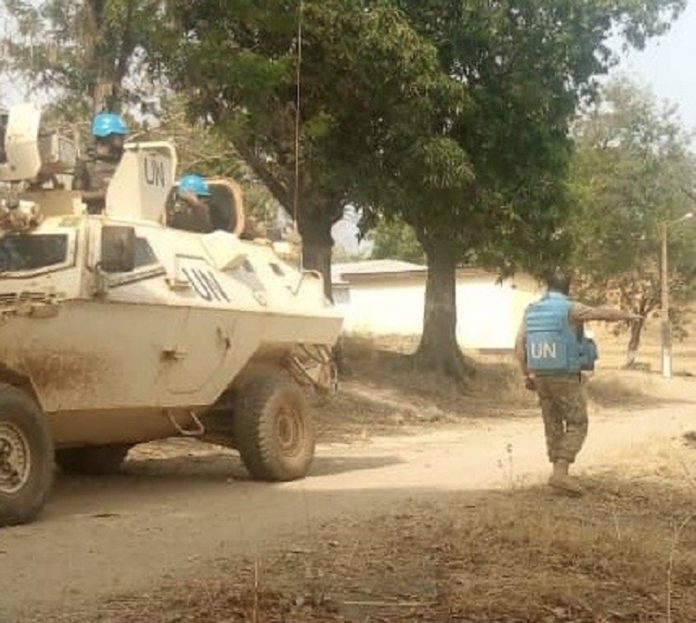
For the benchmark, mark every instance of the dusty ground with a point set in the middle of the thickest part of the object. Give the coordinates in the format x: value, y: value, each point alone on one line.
x: 627, y: 553
x: 424, y: 503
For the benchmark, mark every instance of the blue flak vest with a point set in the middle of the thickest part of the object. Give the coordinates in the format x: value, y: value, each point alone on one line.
x: 553, y: 343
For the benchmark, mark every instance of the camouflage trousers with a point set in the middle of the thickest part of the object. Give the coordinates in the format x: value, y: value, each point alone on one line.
x: 564, y: 409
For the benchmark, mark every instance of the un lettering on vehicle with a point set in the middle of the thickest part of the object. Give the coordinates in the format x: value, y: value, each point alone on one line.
x: 204, y: 282
x: 155, y: 169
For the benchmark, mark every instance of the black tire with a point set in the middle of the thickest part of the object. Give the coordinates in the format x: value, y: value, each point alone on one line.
x: 26, y: 457
x: 273, y: 429
x: 96, y: 460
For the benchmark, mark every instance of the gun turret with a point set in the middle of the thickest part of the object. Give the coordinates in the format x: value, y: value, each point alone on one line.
x: 29, y: 154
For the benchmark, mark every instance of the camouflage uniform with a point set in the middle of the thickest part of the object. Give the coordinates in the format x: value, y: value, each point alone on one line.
x: 564, y: 410
x: 562, y: 396
x: 94, y: 174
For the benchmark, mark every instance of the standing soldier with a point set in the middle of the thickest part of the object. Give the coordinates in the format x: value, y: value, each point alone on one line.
x: 553, y: 351
x: 189, y: 210
x: 92, y: 176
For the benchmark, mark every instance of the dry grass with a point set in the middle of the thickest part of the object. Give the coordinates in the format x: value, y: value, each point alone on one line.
x: 617, y: 392
x: 613, y: 349
x: 382, y: 394
x: 522, y: 556
x: 385, y: 362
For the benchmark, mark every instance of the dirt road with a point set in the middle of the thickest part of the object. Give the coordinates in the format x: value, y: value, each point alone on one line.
x: 166, y: 516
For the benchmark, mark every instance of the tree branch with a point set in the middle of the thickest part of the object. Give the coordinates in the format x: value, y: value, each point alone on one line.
x: 127, y: 45
x: 276, y: 187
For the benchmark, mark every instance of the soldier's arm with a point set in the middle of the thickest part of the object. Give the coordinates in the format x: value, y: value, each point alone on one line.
x: 521, y: 349
x: 200, y: 211
x: 580, y: 312
x: 80, y: 176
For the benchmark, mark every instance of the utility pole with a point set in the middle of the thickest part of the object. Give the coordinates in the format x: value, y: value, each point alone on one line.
x: 666, y: 324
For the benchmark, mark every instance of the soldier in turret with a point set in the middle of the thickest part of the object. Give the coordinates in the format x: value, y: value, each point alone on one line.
x: 553, y: 351
x: 189, y: 209
x: 92, y: 175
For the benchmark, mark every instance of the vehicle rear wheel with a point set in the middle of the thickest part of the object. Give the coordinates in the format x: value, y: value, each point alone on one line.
x: 273, y: 429
x: 97, y: 460
x: 26, y: 457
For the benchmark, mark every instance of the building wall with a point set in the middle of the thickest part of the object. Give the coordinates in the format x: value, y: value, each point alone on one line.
x: 484, y: 313
x: 488, y: 313
x: 385, y: 306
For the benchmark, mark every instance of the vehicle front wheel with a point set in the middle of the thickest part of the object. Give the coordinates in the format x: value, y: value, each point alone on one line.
x: 97, y: 460
x: 26, y: 457
x: 273, y: 429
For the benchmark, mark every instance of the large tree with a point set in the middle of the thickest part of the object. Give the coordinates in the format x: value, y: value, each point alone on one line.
x: 87, y: 54
x: 452, y: 115
x: 363, y: 71
x: 485, y: 183
x: 632, y: 173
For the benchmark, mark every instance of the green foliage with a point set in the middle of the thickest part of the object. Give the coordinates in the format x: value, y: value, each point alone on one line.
x: 632, y: 172
x: 80, y: 52
x: 366, y: 76
x: 486, y: 170
x: 396, y: 240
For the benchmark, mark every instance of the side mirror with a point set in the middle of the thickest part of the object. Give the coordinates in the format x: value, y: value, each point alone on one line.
x: 117, y: 249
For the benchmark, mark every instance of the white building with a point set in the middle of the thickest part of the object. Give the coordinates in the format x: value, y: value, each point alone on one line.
x: 386, y: 297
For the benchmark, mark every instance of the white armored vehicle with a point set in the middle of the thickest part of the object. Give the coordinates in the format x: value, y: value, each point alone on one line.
x: 116, y: 329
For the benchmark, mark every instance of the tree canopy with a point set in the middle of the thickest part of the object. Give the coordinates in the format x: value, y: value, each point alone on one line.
x: 633, y: 171
x: 486, y: 179
x: 364, y: 72
x: 395, y: 239
x: 87, y: 54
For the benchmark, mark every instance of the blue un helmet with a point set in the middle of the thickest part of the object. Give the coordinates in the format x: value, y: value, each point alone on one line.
x: 195, y: 184
x: 107, y: 123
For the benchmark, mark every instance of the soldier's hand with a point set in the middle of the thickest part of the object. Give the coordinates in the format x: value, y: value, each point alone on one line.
x: 189, y: 197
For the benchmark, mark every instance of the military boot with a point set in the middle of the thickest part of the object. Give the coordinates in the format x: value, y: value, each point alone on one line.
x: 561, y: 480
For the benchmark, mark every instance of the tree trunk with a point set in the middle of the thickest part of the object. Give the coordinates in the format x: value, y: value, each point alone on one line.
x: 317, y: 244
x: 634, y: 342
x: 438, y: 350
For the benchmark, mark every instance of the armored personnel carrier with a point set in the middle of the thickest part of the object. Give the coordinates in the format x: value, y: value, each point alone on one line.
x: 116, y: 329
